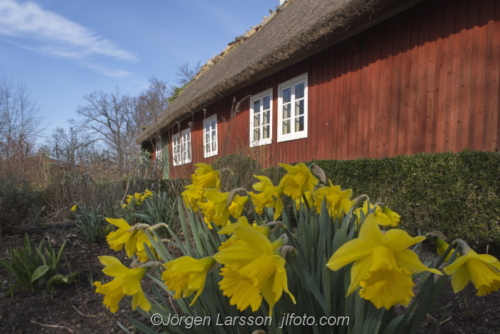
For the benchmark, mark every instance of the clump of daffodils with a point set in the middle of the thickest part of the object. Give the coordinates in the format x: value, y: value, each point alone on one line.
x: 336, y: 253
x: 136, y: 199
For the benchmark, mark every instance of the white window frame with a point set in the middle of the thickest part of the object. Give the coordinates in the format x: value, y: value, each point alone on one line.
x: 186, y: 146
x: 158, y: 149
x: 176, y: 149
x: 212, y: 151
x: 255, y: 98
x: 282, y: 87
x: 181, y: 147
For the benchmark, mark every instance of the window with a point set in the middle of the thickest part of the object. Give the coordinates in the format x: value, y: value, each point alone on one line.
x: 292, y: 109
x: 186, y: 146
x: 181, y: 147
x: 176, y: 149
x: 210, y: 136
x: 158, y: 149
x: 261, y: 114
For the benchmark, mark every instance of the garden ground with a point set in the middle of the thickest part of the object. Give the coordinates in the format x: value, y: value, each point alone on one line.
x: 76, y: 308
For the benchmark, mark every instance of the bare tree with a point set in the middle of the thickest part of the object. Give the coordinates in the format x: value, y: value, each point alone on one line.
x: 109, y: 117
x: 71, y: 147
x: 151, y: 103
x: 20, y: 120
x: 185, y: 74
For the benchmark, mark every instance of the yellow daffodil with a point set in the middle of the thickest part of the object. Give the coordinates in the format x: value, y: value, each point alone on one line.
x: 216, y: 209
x: 73, y: 208
x: 253, y: 269
x: 308, y: 196
x: 384, y: 215
x: 441, y: 245
x: 383, y: 266
x: 298, y: 180
x: 338, y: 201
x: 242, y: 222
x: 482, y: 269
x: 192, y: 196
x: 270, y: 196
x: 186, y: 275
x: 365, y: 208
x: 205, y: 177
x: 126, y: 282
x: 132, y: 240
x: 387, y: 217
x: 237, y: 205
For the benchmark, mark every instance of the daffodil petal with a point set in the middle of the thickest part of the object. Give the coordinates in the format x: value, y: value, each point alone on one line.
x: 452, y: 268
x: 140, y: 300
x: 120, y: 223
x: 409, y: 260
x: 460, y: 278
x: 237, y: 253
x: 358, y: 272
x: 398, y: 239
x: 349, y: 252
x: 254, y: 239
x: 370, y: 234
x: 113, y: 266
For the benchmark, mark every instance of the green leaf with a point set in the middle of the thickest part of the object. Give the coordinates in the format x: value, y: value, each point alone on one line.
x: 39, y: 272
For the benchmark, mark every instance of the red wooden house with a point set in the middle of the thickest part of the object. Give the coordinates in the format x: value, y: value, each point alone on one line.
x: 343, y: 79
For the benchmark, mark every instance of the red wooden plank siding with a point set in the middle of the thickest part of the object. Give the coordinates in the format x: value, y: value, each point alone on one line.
x: 384, y: 107
x: 426, y: 80
x: 493, y: 92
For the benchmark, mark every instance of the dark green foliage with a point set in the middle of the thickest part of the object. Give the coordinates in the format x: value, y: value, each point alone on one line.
x: 32, y: 269
x: 90, y: 222
x: 20, y: 205
x: 457, y: 194
x: 176, y: 92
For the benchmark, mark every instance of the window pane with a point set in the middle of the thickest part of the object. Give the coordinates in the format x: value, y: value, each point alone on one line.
x: 207, y: 126
x: 213, y: 124
x: 214, y: 146
x: 207, y: 148
x: 286, y: 110
x: 287, y: 95
x: 213, y: 135
x: 265, y: 132
x: 207, y: 137
x: 299, y: 107
x: 256, y: 134
x: 286, y: 127
x: 299, y: 124
x: 256, y: 121
x: 266, y: 102
x: 256, y: 106
x: 265, y: 117
x: 299, y: 91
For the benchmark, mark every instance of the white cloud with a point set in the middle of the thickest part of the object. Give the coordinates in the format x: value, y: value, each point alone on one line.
x: 108, y: 72
x: 55, y: 34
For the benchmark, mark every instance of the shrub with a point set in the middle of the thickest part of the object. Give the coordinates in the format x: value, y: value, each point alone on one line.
x: 457, y: 194
x: 240, y: 167
x: 20, y: 205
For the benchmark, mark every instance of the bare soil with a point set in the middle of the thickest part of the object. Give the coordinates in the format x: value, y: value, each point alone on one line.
x: 76, y: 308
x: 70, y: 308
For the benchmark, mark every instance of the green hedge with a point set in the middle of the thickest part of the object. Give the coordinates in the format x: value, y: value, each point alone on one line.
x: 455, y: 193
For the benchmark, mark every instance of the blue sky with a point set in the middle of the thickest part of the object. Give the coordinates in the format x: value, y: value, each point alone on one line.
x: 64, y: 50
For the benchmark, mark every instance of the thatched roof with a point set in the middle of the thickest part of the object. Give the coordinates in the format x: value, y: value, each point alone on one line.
x: 297, y: 30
